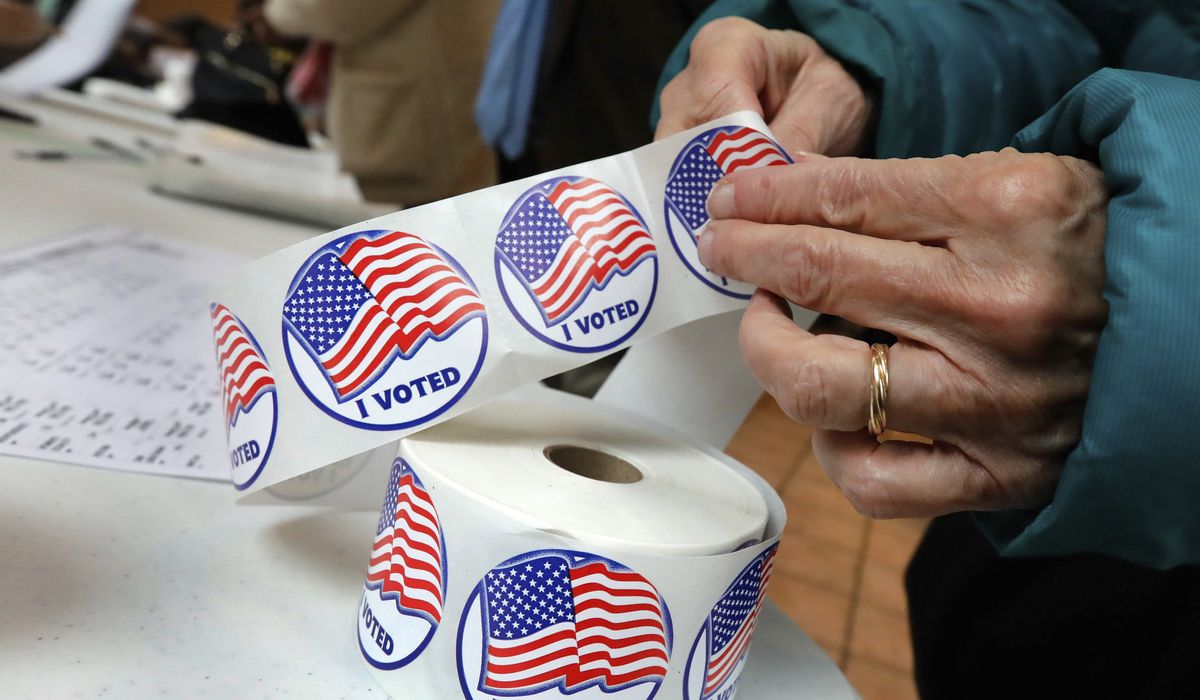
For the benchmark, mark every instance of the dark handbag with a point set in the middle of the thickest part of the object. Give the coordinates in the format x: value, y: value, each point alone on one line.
x: 239, y: 82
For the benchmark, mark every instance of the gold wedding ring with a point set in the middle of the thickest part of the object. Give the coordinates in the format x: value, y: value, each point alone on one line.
x: 877, y: 413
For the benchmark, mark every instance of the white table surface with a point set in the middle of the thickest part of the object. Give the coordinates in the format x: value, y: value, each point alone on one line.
x: 128, y: 586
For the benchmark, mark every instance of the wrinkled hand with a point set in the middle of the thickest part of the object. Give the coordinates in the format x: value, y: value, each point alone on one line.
x: 810, y: 102
x: 989, y: 269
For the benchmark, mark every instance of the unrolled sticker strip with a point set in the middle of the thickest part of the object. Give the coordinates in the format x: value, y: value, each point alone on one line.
x: 363, y: 335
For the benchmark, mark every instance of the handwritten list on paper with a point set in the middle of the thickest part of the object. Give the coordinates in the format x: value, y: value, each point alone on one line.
x: 106, y: 353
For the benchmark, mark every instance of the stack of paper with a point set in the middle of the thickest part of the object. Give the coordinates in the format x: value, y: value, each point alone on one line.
x: 225, y: 166
x: 105, y: 358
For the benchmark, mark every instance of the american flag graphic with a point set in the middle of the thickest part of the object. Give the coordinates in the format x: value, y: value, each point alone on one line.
x: 406, y: 562
x: 709, y: 159
x: 244, y: 373
x: 568, y: 236
x: 732, y: 620
x: 361, y: 304
x: 550, y: 622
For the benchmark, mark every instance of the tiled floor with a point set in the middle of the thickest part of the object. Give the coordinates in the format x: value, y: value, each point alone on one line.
x: 839, y: 575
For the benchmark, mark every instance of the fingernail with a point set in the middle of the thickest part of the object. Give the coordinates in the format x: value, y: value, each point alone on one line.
x: 720, y: 201
x: 705, y: 242
x: 802, y: 156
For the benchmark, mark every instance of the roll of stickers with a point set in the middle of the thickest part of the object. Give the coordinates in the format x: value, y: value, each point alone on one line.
x: 564, y: 548
x: 352, y: 340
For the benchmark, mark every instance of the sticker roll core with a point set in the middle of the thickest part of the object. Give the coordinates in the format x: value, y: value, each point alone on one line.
x: 593, y: 464
x: 686, y: 502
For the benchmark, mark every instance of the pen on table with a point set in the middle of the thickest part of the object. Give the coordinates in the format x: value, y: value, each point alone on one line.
x: 17, y: 116
x: 66, y: 155
x: 116, y: 149
x: 110, y: 151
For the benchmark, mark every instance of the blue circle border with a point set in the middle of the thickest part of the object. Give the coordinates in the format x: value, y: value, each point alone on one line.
x: 687, y: 668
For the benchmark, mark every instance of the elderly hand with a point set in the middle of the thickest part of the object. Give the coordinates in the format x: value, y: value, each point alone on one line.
x: 810, y: 102
x: 989, y: 269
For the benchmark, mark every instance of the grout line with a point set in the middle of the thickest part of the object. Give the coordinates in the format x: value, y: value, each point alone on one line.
x: 890, y: 612
x: 884, y: 666
x: 810, y: 581
x: 855, y: 594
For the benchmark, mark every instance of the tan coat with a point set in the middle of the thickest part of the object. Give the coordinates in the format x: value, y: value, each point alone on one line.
x: 402, y: 94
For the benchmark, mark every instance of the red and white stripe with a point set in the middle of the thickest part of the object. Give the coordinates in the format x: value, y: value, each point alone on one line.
x: 244, y: 373
x: 744, y: 148
x: 407, y: 558
x: 546, y: 656
x: 724, y: 662
x: 617, y: 637
x: 618, y: 626
x: 608, y: 238
x: 416, y: 293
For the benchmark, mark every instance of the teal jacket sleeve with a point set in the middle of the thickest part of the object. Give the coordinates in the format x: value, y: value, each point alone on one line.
x: 1132, y: 486
x: 953, y: 77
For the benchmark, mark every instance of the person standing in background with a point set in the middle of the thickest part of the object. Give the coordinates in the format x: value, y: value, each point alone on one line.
x: 404, y: 74
x: 570, y: 81
x: 22, y: 30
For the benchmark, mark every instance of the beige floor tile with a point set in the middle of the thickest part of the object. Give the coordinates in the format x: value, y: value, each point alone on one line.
x: 883, y: 587
x: 894, y: 541
x: 819, y: 611
x: 834, y: 528
x: 810, y: 468
x: 769, y: 442
x: 835, y: 651
x: 908, y: 527
x: 807, y: 494
x: 817, y: 560
x: 881, y: 636
x: 875, y: 682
